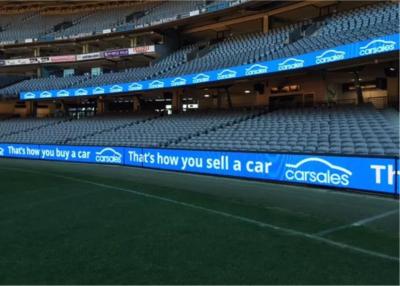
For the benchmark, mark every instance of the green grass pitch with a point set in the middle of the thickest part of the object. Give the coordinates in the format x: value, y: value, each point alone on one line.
x: 87, y: 224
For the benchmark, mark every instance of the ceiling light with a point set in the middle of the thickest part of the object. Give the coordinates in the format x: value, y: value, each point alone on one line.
x: 207, y: 95
x: 247, y: 91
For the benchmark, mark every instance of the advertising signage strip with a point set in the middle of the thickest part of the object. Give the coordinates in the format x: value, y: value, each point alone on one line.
x: 79, y: 57
x: 89, y: 56
x: 63, y: 58
x: 340, y: 53
x: 142, y: 50
x: 379, y: 175
x: 116, y: 53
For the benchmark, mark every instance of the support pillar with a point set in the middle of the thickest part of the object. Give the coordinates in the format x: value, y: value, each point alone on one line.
x: 176, y: 102
x: 133, y: 42
x: 36, y: 52
x: 136, y: 104
x: 360, y: 98
x: 265, y: 24
x: 85, y: 48
x: 228, y: 97
x: 262, y: 96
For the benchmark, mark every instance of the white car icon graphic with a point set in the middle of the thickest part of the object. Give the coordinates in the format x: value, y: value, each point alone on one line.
x: 135, y: 86
x: 328, y: 164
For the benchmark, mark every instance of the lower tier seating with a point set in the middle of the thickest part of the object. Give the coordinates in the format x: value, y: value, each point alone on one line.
x: 348, y: 130
x: 338, y: 130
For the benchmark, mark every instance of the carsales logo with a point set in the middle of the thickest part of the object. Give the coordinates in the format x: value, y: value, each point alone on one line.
x: 291, y: 63
x: 109, y: 155
x: 1, y: 152
x: 377, y: 46
x: 256, y: 69
x: 330, y: 56
x: 317, y: 171
x: 29, y: 95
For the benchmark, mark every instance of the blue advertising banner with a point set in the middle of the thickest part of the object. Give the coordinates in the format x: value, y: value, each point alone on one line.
x: 360, y: 173
x: 133, y: 157
x: 332, y: 171
x: 84, y: 154
x: 397, y: 176
x: 20, y: 151
x: 344, y: 52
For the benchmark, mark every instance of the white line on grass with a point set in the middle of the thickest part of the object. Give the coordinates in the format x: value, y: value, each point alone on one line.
x: 258, y: 182
x: 274, y: 184
x: 225, y: 214
x: 356, y: 223
x: 373, y: 218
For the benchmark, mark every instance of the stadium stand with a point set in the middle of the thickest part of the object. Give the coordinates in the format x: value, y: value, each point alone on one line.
x: 60, y: 131
x: 33, y: 25
x: 7, y: 80
x: 44, y: 83
x: 361, y: 130
x: 339, y: 130
x: 355, y: 25
x: 168, y: 10
x: 97, y: 21
x: 347, y: 130
x: 39, y: 24
x: 17, y: 125
x: 163, y: 131
x: 135, y: 134
x: 159, y: 68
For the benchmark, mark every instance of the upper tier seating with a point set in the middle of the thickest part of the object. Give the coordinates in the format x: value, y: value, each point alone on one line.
x: 170, y: 9
x: 343, y: 28
x: 6, y: 80
x: 44, y: 84
x: 355, y: 25
x: 135, y: 74
x: 237, y: 50
x: 33, y: 25
x: 36, y: 24
x: 99, y: 20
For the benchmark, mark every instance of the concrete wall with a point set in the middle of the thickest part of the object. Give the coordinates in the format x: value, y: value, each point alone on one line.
x: 7, y: 107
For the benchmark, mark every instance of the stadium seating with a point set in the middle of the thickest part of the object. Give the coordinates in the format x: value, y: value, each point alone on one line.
x: 351, y: 130
x: 170, y: 10
x: 346, y: 130
x: 38, y: 24
x: 237, y: 50
x: 377, y: 20
x: 159, y: 68
x: 7, y: 80
x: 163, y: 131
x: 355, y: 25
x: 97, y: 21
x: 43, y: 84
x: 338, y: 130
x: 33, y: 25
x: 14, y: 126
x: 58, y: 131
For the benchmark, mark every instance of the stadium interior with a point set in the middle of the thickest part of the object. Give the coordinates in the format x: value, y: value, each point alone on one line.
x: 333, y: 109
x: 303, y: 94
